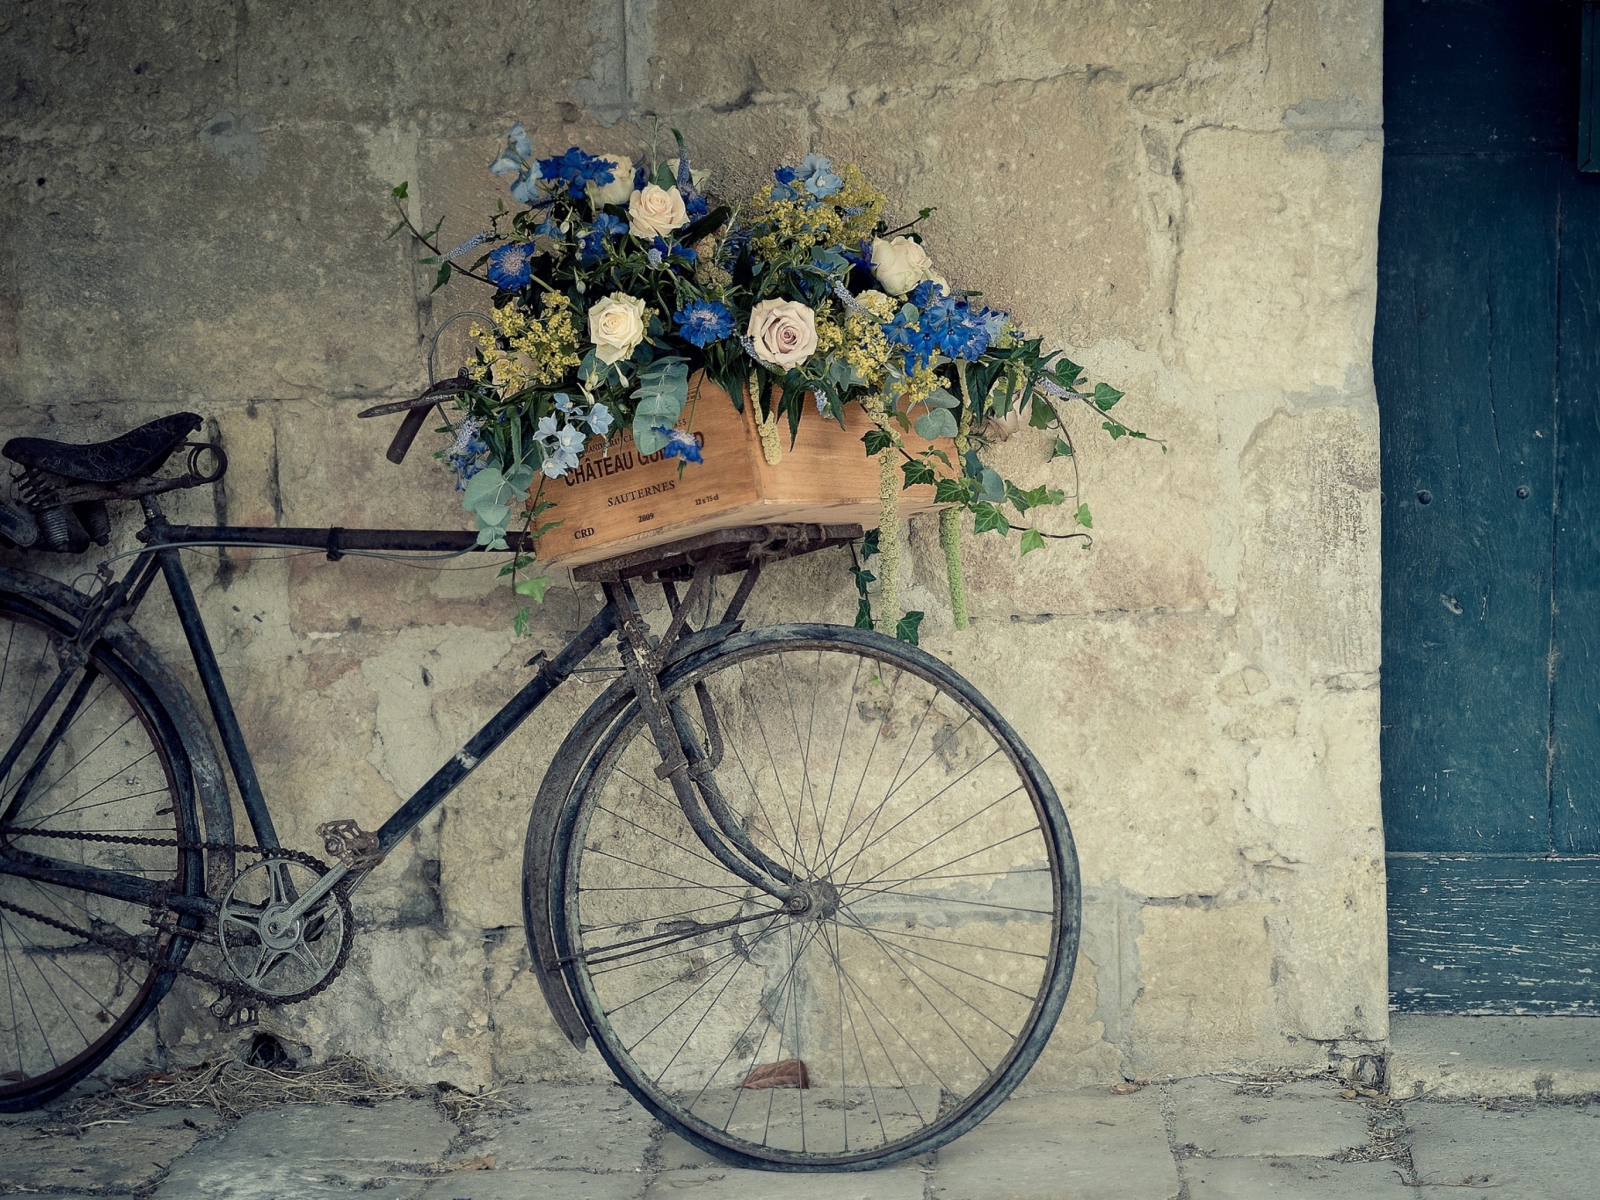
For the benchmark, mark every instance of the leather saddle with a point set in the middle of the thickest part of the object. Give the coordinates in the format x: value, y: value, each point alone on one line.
x: 140, y: 451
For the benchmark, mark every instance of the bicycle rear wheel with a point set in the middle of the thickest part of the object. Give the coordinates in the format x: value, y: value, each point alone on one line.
x: 927, y: 973
x: 101, y: 759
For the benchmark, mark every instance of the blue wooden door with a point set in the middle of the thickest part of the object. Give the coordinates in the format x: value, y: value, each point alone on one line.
x: 1487, y: 363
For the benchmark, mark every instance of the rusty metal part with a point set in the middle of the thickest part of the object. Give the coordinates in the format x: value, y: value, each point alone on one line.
x: 350, y: 844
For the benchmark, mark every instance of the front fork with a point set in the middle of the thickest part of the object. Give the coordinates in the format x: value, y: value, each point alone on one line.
x: 689, y: 768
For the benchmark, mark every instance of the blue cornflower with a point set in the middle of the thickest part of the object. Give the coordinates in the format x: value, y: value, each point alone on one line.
x: 919, y: 346
x: 511, y: 266
x: 817, y: 177
x: 679, y: 444
x: 514, y: 160
x: 577, y: 170
x: 600, y: 419
x: 702, y: 322
x: 610, y: 226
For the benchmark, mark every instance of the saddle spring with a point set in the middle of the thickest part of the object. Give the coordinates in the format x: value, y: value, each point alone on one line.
x: 65, y: 526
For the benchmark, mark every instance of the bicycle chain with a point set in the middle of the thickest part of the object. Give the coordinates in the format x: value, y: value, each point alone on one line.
x: 128, y: 943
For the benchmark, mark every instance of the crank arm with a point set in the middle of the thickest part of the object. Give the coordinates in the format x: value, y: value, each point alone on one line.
x: 315, y: 893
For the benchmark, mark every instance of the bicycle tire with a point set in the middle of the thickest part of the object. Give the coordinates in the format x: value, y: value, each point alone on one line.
x: 119, y: 769
x: 590, y: 902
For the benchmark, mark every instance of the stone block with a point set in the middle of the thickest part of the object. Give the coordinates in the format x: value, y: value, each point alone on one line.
x: 1072, y: 1143
x: 116, y: 1157
x: 206, y: 1178
x: 1207, y: 999
x: 413, y: 1132
x: 1221, y: 1120
x: 567, y: 1127
x: 1444, y: 1057
x: 1548, y: 1151
x: 1276, y: 285
x: 1302, y: 1178
x: 534, y: 1185
x: 731, y: 1183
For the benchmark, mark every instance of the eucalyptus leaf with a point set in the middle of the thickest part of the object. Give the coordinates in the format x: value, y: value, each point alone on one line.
x: 936, y: 423
x: 663, y: 389
x: 941, y: 398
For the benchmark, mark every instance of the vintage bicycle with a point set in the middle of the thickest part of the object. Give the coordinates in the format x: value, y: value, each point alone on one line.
x: 812, y: 898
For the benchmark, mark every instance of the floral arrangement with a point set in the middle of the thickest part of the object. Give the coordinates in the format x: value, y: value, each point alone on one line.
x: 617, y: 280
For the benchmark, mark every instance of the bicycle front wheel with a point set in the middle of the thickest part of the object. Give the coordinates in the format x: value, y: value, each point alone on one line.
x: 933, y: 960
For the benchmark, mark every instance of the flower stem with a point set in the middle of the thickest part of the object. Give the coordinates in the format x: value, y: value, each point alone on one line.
x: 950, y: 518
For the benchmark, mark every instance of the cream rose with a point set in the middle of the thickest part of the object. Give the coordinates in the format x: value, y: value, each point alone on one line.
x: 784, y: 332
x: 621, y: 186
x: 900, y: 264
x: 654, y: 213
x: 616, y: 326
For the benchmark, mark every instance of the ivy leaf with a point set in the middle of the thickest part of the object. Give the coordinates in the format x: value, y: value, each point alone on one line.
x: 663, y: 388
x: 399, y: 192
x: 864, y: 613
x: 877, y: 440
x: 1114, y: 429
x: 917, y: 472
x: 1032, y: 539
x: 906, y: 628
x: 987, y: 516
x: 1067, y: 372
x: 1083, y: 518
x: 869, y: 543
x: 1105, y: 396
x: 1042, y: 414
x: 442, y: 278
x: 1061, y: 449
x: 519, y: 623
x: 535, y: 586
x: 952, y: 491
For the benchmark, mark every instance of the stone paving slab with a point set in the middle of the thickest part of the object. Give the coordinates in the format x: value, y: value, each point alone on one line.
x: 252, y: 1179
x: 1299, y: 1120
x: 108, y: 1158
x: 536, y: 1185
x: 1549, y: 1152
x: 729, y: 1183
x: 1086, y: 1144
x: 1462, y: 1058
x: 1311, y: 1178
x: 589, y: 1127
x: 398, y: 1131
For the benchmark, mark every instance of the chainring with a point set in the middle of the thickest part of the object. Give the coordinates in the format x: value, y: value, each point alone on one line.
x: 283, y: 962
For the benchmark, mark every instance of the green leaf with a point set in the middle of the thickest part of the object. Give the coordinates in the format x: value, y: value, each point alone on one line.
x: 519, y: 623
x: 663, y: 389
x: 864, y: 613
x: 1036, y: 497
x: 442, y: 278
x: 952, y: 491
x: 906, y: 628
x: 917, y: 472
x: 994, y: 488
x: 941, y: 398
x: 399, y: 192
x: 876, y: 440
x: 1061, y: 449
x: 1083, y: 518
x: 1114, y: 429
x: 936, y: 423
x: 1032, y: 539
x: 536, y: 586
x: 1067, y: 372
x: 1042, y: 414
x: 665, y: 179
x: 869, y: 543
x: 986, y: 516
x: 1105, y: 396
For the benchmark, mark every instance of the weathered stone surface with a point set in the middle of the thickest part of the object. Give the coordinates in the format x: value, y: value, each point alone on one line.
x: 598, y: 1127
x: 1311, y: 1178
x: 120, y: 1157
x: 1462, y: 1058
x: 1549, y: 1151
x: 396, y: 1131
x: 731, y: 1183
x: 1074, y: 1143
x: 534, y: 1185
x: 206, y: 1178
x: 1221, y: 1120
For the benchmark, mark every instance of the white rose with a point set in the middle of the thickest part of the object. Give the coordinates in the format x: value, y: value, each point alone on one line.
x: 620, y: 187
x: 900, y: 264
x: 654, y: 213
x: 784, y: 332
x: 616, y: 326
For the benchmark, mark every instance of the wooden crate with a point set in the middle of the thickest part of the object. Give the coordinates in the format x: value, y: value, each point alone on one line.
x: 618, y: 500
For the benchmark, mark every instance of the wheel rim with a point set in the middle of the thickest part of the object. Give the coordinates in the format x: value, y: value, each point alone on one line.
x: 914, y: 992
x: 66, y: 1003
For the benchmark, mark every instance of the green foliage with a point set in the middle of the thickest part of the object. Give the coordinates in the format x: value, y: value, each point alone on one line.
x: 663, y: 389
x: 877, y: 440
x: 916, y: 471
x: 1083, y: 518
x: 987, y: 517
x: 1032, y: 539
x: 535, y: 586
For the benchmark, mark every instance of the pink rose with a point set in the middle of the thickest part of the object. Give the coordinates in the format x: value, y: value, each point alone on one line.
x: 784, y: 332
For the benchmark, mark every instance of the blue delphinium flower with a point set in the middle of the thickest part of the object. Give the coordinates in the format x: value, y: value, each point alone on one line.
x: 925, y: 293
x: 466, y: 454
x: 564, y: 404
x: 702, y: 322
x: 955, y: 327
x: 591, y: 248
x: 514, y: 160
x: 783, y: 190
x: 679, y: 444
x: 577, y: 170
x: 918, y: 345
x: 547, y: 429
x: 817, y: 177
x: 610, y: 226
x: 694, y: 206
x: 600, y: 419
x: 511, y: 266
x: 660, y: 252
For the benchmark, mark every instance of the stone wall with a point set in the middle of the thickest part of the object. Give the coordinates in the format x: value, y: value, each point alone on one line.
x: 1184, y: 194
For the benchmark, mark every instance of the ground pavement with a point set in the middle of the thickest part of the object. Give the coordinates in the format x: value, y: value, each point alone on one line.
x: 1195, y: 1139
